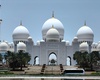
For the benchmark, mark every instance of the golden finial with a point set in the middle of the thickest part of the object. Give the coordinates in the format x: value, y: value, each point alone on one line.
x: 85, y: 23
x: 53, y: 14
x: 52, y: 26
x: 20, y: 22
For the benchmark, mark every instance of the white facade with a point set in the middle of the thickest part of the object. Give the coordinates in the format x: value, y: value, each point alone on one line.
x: 52, y: 43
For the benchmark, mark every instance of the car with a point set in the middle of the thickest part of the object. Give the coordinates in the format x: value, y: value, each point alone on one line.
x: 74, y: 71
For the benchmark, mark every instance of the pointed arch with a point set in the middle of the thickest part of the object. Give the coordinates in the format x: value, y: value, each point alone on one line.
x: 52, y: 58
x: 36, y: 60
x: 68, y: 61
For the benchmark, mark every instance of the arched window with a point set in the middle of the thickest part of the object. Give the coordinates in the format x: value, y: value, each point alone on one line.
x: 36, y: 60
x: 68, y: 61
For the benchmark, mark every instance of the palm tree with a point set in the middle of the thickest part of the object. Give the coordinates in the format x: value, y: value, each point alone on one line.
x: 17, y: 59
x: 11, y: 58
x: 0, y: 57
x: 20, y: 56
x: 26, y: 58
x: 23, y: 58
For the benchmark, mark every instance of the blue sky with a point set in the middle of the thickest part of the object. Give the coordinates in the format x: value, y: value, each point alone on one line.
x: 33, y: 13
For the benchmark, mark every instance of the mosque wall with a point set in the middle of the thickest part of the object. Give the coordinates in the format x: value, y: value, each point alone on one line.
x: 62, y: 53
x: 29, y: 49
x: 69, y: 52
x: 35, y: 53
x: 46, y: 48
x: 75, y: 46
x: 42, y: 53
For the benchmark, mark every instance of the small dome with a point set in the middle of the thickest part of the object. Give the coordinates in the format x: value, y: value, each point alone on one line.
x: 75, y: 39
x: 93, y: 45
x: 84, y: 46
x: 63, y: 41
x: 38, y: 42
x: 21, y: 46
x: 56, y: 23
x: 20, y: 33
x: 3, y: 46
x: 52, y: 35
x: 30, y: 38
x: 98, y: 47
x: 12, y: 44
x: 67, y: 43
x: 42, y: 41
x: 85, y: 33
x: 98, y: 42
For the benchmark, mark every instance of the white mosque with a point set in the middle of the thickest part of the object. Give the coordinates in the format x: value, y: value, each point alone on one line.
x: 52, y: 46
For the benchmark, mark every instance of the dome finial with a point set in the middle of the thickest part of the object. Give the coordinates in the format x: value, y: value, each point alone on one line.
x: 52, y: 26
x: 52, y: 13
x: 21, y: 22
x: 85, y: 23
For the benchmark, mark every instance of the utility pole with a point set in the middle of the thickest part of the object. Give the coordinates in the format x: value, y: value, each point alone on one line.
x: 0, y: 21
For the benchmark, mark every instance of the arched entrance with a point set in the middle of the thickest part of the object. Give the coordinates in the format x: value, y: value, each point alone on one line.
x: 68, y: 61
x: 52, y: 59
x: 36, y: 60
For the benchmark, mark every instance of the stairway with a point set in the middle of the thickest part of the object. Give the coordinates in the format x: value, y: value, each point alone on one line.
x: 52, y: 70
x: 33, y: 70
x: 61, y: 67
x: 43, y: 68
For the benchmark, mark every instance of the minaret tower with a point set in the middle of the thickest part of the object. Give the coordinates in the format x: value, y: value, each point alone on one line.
x: 0, y: 21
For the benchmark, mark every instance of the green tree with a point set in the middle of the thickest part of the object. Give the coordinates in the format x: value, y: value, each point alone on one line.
x: 0, y: 57
x: 20, y: 56
x: 26, y: 58
x: 76, y: 57
x: 11, y: 57
x: 23, y: 58
x: 81, y: 58
x: 93, y: 58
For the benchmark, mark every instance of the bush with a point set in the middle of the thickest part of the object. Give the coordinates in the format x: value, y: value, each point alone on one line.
x: 96, y: 74
x: 5, y: 73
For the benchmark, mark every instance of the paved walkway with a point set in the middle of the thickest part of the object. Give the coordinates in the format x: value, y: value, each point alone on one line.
x: 64, y: 77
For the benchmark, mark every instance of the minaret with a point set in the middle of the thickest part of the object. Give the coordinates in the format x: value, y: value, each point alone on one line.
x: 0, y: 24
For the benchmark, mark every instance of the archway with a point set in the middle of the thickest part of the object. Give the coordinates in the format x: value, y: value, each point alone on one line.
x: 36, y: 60
x: 68, y: 61
x: 52, y: 59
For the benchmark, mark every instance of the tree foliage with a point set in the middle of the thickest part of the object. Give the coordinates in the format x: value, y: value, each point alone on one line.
x: 81, y: 58
x: 23, y: 58
x: 17, y: 59
x: 0, y: 57
x: 86, y: 59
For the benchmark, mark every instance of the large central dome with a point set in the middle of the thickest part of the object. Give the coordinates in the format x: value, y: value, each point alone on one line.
x: 56, y: 23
